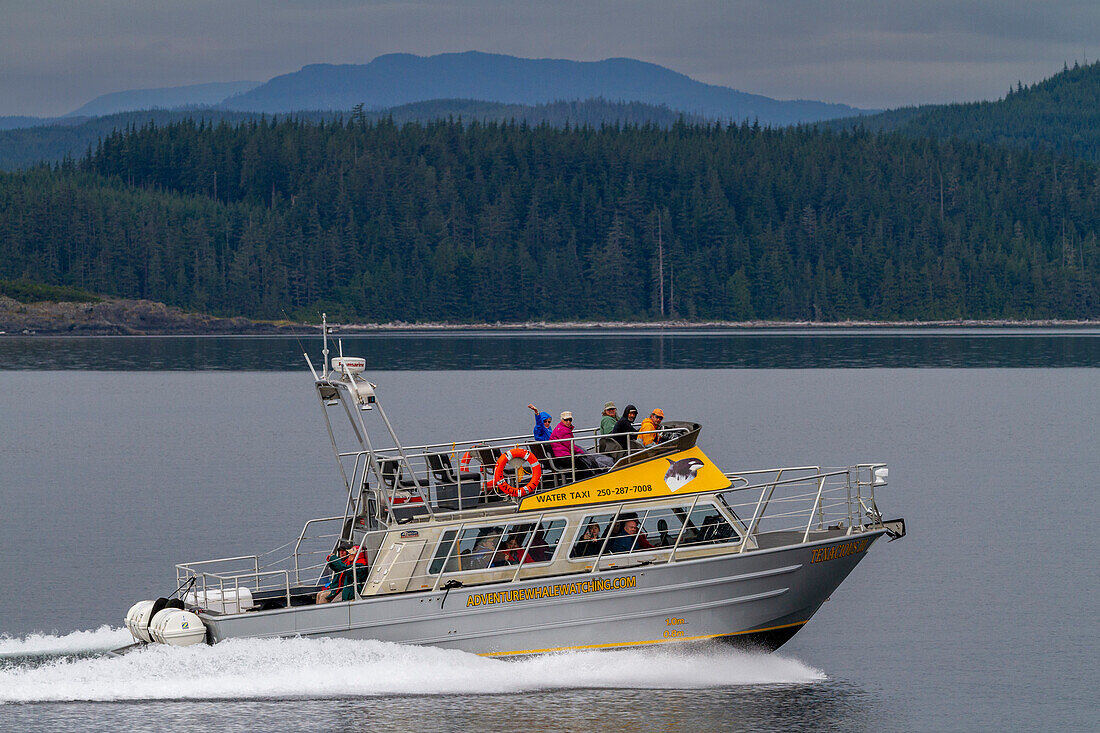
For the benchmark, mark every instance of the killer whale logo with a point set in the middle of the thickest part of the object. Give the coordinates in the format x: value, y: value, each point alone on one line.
x: 681, y: 472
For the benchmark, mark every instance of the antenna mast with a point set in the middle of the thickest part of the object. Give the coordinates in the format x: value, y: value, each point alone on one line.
x: 660, y: 265
x: 324, y: 341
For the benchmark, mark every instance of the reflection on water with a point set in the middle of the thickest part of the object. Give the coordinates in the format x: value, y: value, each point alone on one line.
x: 786, y: 349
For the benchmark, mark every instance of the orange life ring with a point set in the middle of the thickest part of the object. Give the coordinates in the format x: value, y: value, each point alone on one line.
x: 533, y: 463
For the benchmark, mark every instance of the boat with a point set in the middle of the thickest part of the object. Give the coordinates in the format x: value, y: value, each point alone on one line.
x: 498, y: 547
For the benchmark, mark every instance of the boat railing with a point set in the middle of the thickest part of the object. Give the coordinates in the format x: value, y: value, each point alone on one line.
x: 805, y: 499
x: 300, y: 563
x: 435, y: 477
x: 788, y: 506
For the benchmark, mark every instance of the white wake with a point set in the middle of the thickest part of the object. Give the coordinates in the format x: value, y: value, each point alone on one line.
x: 265, y: 668
x: 78, y: 642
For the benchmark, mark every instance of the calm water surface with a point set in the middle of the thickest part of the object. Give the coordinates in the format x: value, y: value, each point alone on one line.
x: 625, y: 349
x: 984, y: 617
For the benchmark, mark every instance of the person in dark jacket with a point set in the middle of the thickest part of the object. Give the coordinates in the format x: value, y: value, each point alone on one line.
x: 346, y: 561
x: 626, y: 537
x: 626, y: 425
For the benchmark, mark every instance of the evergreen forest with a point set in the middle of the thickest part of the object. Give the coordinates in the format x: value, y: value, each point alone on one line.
x: 376, y: 221
x: 1060, y: 115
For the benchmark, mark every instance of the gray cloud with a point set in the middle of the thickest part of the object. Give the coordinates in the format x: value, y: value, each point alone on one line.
x: 56, y: 55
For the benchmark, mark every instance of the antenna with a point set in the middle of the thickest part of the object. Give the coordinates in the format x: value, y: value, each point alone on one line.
x: 325, y: 341
x: 660, y: 265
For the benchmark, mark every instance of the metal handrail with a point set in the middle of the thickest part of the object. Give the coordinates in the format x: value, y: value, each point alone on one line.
x: 816, y: 508
x: 301, y: 537
x: 236, y: 579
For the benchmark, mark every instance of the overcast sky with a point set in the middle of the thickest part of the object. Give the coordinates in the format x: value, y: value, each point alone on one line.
x: 55, y: 55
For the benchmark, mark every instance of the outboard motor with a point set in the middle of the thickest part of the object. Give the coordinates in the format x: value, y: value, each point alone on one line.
x: 164, y: 621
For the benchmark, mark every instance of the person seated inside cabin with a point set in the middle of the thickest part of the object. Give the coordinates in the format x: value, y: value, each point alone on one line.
x: 564, y: 445
x: 624, y: 535
x: 482, y: 551
x: 510, y: 553
x: 542, y: 424
x: 589, y: 543
x: 650, y: 426
x: 539, y: 551
x: 346, y: 561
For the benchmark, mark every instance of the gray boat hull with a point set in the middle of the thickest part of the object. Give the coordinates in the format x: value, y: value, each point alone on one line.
x: 760, y: 597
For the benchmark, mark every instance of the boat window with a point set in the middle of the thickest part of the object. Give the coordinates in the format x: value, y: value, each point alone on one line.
x: 545, y: 541
x: 591, y: 536
x: 661, y: 527
x: 655, y: 529
x: 707, y: 526
x: 499, y: 545
x: 476, y: 549
x: 443, y: 550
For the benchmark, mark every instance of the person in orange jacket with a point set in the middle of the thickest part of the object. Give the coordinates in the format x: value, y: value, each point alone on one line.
x: 648, y: 432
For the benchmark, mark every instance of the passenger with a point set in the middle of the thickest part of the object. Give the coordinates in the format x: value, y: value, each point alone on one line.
x: 542, y: 424
x: 623, y: 538
x: 624, y: 429
x: 608, y: 446
x: 563, y: 446
x: 650, y: 425
x: 510, y: 553
x: 610, y: 417
x: 341, y: 562
x: 539, y: 551
x: 589, y: 542
x: 482, y: 551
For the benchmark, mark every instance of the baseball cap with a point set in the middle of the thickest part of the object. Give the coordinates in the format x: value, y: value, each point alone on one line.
x: 659, y: 412
x: 609, y: 405
x: 566, y: 415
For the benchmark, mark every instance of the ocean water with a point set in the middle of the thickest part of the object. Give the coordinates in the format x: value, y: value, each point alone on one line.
x: 121, y: 457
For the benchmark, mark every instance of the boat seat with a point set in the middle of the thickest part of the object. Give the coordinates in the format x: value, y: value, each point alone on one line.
x: 444, y: 472
x: 565, y: 465
x: 541, y: 451
x: 388, y: 470
x: 408, y: 510
x: 453, y: 492
x: 488, y: 456
x: 611, y: 447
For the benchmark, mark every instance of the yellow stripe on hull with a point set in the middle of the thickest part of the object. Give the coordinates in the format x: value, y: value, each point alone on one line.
x: 638, y: 643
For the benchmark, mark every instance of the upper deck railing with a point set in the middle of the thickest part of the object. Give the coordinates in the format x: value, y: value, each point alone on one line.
x: 439, y: 478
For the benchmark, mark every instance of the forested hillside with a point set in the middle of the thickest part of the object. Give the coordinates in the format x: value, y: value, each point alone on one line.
x: 1060, y: 114
x: 53, y: 141
x: 485, y: 222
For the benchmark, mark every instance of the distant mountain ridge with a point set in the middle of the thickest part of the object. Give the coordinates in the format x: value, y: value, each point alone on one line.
x: 191, y: 95
x: 397, y: 79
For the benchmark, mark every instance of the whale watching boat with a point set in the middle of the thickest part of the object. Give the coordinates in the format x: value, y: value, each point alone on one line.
x: 496, y: 546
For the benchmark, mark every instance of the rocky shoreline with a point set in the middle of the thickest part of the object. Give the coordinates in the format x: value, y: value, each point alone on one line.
x: 121, y: 317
